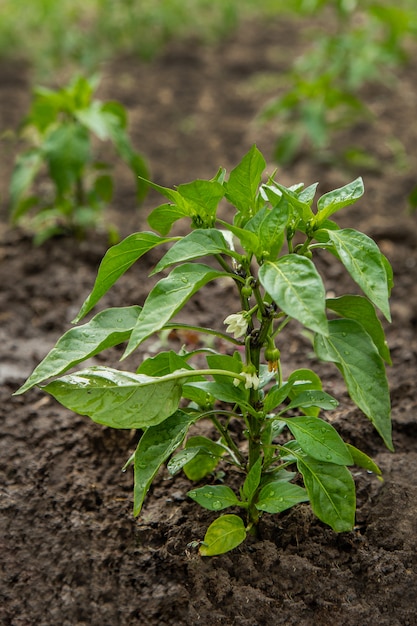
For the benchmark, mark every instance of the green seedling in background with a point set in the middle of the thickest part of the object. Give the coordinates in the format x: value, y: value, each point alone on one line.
x: 53, y: 36
x: 285, y: 452
x: 362, y: 43
x: 57, y: 185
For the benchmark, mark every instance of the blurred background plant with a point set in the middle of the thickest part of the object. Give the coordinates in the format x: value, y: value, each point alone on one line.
x: 88, y: 32
x: 349, y: 45
x: 352, y: 44
x: 57, y: 185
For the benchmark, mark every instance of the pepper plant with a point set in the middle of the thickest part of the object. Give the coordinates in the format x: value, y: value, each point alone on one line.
x: 57, y: 185
x: 285, y: 453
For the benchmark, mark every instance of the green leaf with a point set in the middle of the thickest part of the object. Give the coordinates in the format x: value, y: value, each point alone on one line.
x: 96, y: 120
x: 197, y: 244
x: 124, y: 148
x: 248, y: 240
x: 363, y: 260
x: 352, y: 349
x: 276, y: 396
x: 360, y: 459
x: 117, y: 260
x: 302, y: 208
x: 224, y: 362
x: 154, y: 448
x: 244, y: 180
x: 226, y: 392
x: 25, y: 206
x: 163, y: 217
x: 331, y: 491
x: 170, y: 194
x: 200, y: 397
x: 224, y: 534
x: 202, y: 197
x: 67, y: 151
x: 272, y: 229
x: 265, y: 375
x: 305, y: 380
x: 319, y: 440
x: 360, y: 309
x: 163, y: 364
x: 277, y: 496
x: 197, y: 200
x: 168, y: 297
x: 105, y: 330
x: 219, y: 176
x: 295, y: 285
x: 44, y: 110
x: 117, y: 399
x: 206, y: 460
x: 313, y: 398
x: 252, y: 480
x: 302, y: 380
x: 389, y: 273
x: 117, y: 112
x: 214, y: 497
x: 177, y: 462
x: 27, y: 166
x: 79, y: 92
x: 331, y: 202
x: 269, y: 226
x: 307, y: 194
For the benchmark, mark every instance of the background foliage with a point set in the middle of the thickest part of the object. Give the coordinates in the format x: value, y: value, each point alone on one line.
x: 87, y: 32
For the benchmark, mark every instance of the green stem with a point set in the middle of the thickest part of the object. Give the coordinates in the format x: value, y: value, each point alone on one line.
x: 259, y: 300
x: 237, y: 456
x: 181, y: 374
x: 203, y: 372
x: 200, y: 329
x: 223, y: 263
x: 279, y: 373
x: 79, y: 192
x: 280, y: 327
x: 303, y: 247
x: 254, y: 422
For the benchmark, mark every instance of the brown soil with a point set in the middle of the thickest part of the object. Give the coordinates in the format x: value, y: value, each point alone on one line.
x: 72, y: 553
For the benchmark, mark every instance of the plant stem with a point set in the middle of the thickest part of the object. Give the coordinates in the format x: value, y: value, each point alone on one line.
x: 223, y: 263
x: 253, y: 420
x: 237, y: 455
x: 200, y: 329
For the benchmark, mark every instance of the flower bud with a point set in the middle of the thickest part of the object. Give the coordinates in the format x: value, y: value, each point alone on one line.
x: 272, y: 355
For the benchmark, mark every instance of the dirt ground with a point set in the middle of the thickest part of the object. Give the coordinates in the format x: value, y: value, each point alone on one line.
x: 71, y: 551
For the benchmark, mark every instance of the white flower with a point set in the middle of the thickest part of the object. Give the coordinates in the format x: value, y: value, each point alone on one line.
x: 236, y: 324
x: 251, y: 380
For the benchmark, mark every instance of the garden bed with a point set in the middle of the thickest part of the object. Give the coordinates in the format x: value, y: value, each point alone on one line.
x: 72, y: 553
